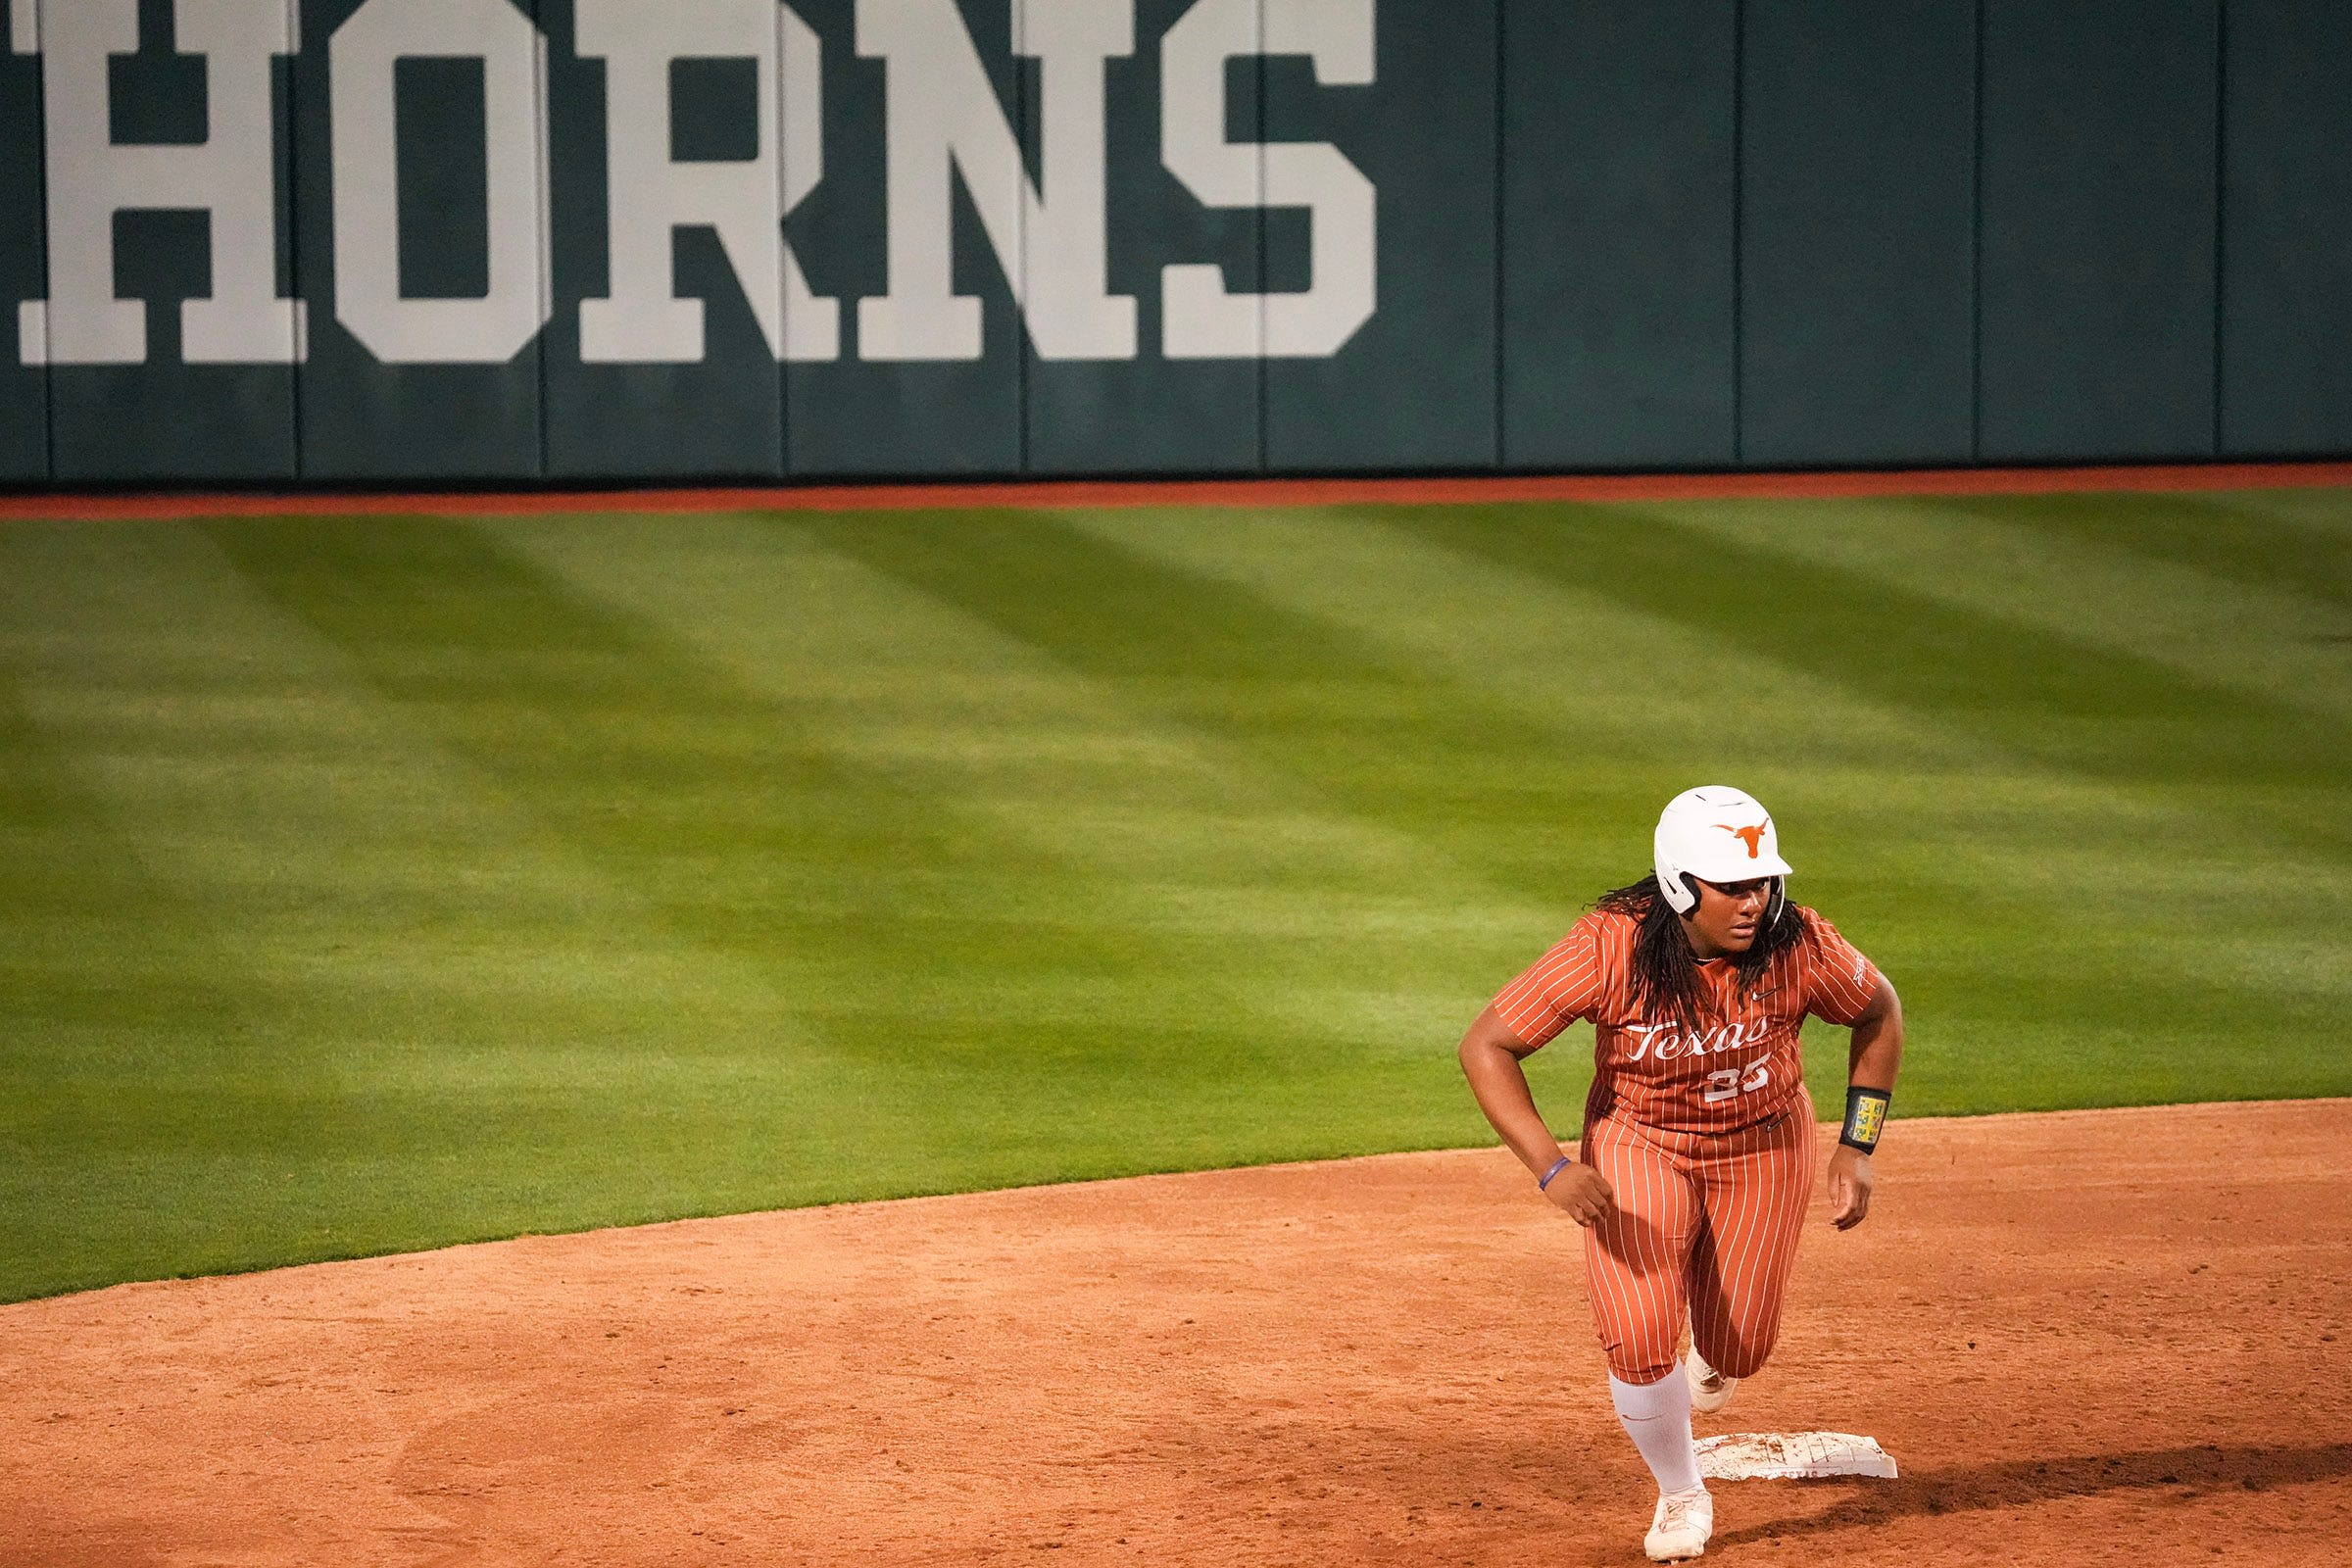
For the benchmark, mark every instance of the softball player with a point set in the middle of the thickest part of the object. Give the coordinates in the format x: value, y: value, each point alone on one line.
x: 1698, y: 1152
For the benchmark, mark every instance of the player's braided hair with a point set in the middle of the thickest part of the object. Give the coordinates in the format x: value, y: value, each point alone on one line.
x: 1666, y: 971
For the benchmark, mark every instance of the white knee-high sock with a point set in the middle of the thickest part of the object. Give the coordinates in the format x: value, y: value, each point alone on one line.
x: 1658, y: 1417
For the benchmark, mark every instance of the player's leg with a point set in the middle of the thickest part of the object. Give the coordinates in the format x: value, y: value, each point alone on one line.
x: 1753, y: 1192
x: 1635, y: 1264
x: 1637, y: 1259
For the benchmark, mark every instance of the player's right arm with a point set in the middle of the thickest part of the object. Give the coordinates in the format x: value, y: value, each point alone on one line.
x: 1845, y: 988
x: 1491, y: 1055
x: 1876, y: 1053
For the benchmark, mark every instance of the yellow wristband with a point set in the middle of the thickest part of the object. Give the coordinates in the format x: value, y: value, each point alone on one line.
x: 1865, y: 1119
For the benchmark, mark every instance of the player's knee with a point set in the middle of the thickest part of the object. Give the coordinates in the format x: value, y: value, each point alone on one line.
x: 1642, y: 1359
x: 1733, y: 1355
x: 1641, y: 1373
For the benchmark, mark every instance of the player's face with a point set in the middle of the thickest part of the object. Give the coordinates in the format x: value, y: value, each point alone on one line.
x: 1728, y: 916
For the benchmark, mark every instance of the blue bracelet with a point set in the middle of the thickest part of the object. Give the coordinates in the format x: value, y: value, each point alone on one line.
x: 1543, y: 1182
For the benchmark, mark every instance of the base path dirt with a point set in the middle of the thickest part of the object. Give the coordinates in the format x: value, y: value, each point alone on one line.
x: 2114, y: 1337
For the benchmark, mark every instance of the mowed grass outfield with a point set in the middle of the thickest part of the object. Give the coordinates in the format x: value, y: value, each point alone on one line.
x: 377, y: 884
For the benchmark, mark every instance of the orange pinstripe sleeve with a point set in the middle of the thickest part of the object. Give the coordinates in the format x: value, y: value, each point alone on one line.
x: 1838, y: 981
x: 1561, y: 987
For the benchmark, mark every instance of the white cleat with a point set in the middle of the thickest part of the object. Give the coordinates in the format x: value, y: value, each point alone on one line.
x: 1679, y: 1530
x: 1710, y: 1390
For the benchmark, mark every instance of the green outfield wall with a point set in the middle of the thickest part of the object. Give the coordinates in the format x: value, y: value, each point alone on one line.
x: 514, y: 241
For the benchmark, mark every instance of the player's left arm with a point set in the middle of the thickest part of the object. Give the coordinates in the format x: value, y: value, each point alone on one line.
x: 1878, y: 1052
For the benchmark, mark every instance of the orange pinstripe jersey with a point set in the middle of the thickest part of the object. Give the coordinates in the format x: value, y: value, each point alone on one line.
x: 1740, y: 1066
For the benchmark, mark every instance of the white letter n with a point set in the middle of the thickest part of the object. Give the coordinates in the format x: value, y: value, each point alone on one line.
x: 943, y: 113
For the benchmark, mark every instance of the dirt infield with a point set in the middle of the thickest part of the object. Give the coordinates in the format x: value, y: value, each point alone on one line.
x: 2113, y: 1336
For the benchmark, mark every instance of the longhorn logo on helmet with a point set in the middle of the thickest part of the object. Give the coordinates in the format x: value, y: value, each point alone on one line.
x: 1753, y: 836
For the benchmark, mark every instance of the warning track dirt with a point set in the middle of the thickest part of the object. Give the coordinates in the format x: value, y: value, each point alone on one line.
x: 2113, y: 1336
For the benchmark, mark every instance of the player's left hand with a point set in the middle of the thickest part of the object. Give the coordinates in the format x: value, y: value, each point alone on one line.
x: 1850, y: 1182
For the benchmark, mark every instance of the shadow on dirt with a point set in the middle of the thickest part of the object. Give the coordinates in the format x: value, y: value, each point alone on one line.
x: 2198, y: 1469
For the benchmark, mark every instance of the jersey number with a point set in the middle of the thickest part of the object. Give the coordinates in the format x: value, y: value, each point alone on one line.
x: 1730, y: 1083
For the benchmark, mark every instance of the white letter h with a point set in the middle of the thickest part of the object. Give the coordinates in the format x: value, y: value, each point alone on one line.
x: 231, y: 175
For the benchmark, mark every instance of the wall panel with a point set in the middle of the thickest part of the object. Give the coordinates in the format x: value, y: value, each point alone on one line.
x: 863, y: 416
x: 24, y: 264
x: 1617, y: 257
x: 1168, y: 409
x: 2286, y: 228
x: 1857, y: 173
x: 422, y: 129
x: 1414, y: 387
x: 651, y: 393
x: 2096, y: 333
x: 157, y: 407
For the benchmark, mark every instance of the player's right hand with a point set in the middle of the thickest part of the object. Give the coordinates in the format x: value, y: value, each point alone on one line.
x: 1583, y: 1194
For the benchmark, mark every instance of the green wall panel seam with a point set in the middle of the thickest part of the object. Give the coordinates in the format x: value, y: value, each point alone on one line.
x: 543, y: 104
x: 1976, y: 249
x: 2221, y: 209
x: 1500, y: 195
x: 289, y: 170
x: 1263, y: 370
x: 40, y: 142
x: 1739, y: 230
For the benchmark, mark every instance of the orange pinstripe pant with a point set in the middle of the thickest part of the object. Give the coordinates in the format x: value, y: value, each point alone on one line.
x: 1705, y: 1223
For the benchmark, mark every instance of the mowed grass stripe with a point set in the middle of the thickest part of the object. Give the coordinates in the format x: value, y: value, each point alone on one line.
x: 2274, y: 542
x: 2065, y: 702
x: 1992, y: 880
x: 2275, y: 634
x: 134, y: 1016
x: 277, y: 778
x: 1363, y: 731
x: 1150, y: 823
x: 2246, y: 659
x: 1591, y: 713
x: 577, y: 872
x: 2265, y: 671
x: 944, y: 960
x: 1275, y: 943
x: 2143, y: 735
x: 2319, y: 516
x: 1583, y: 676
x: 1362, y: 734
x: 450, y: 1001
x: 733, y: 834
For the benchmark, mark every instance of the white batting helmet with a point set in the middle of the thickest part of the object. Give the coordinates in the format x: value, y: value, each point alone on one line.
x: 1716, y: 833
